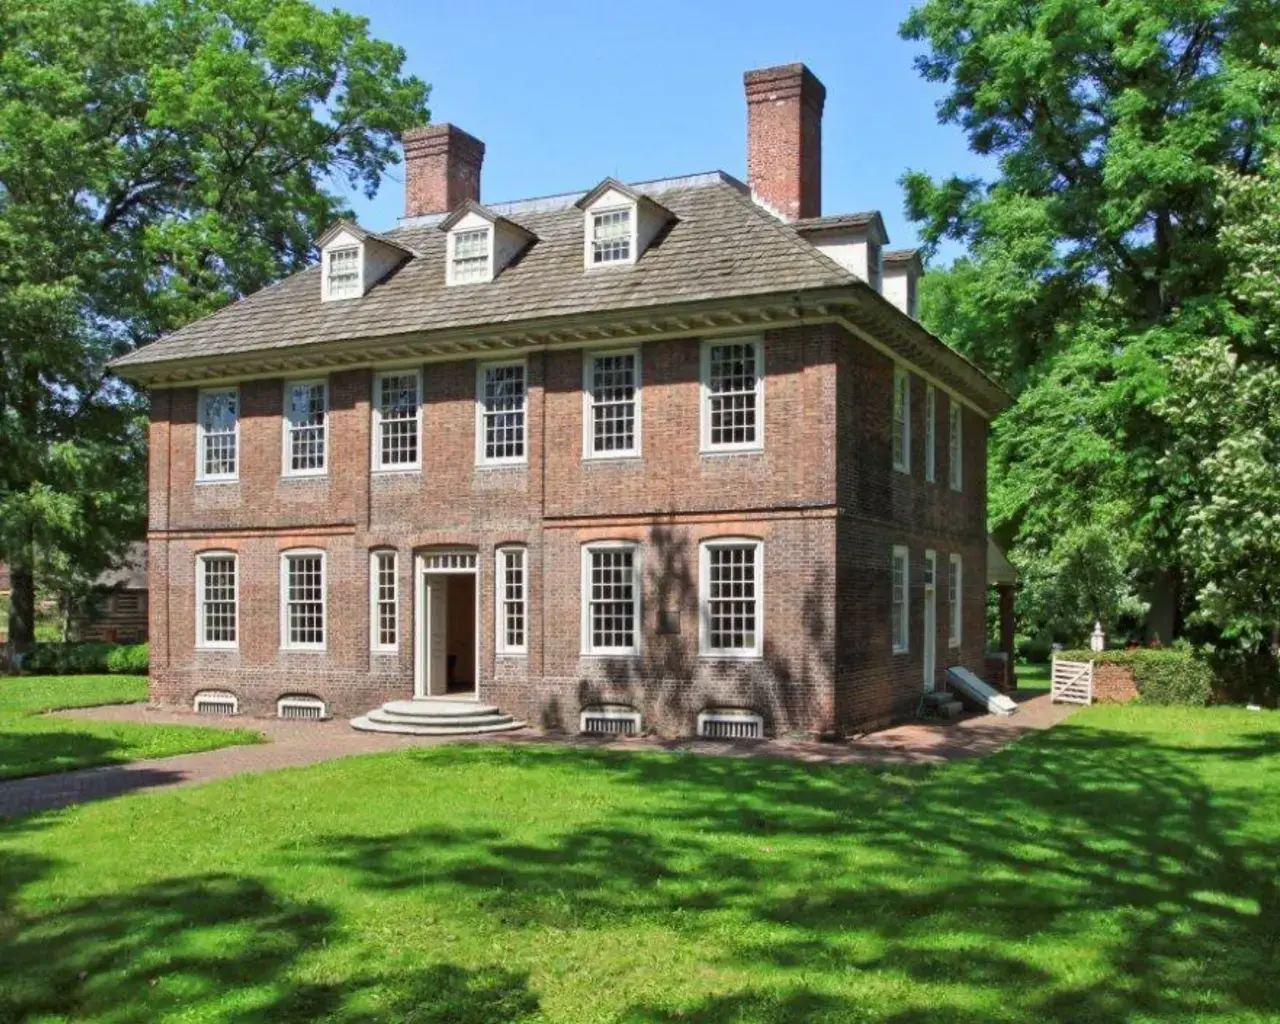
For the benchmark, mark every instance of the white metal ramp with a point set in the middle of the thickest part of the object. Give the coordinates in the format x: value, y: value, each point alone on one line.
x: 975, y: 691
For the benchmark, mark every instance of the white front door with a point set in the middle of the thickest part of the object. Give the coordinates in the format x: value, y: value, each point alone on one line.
x: 930, y: 645
x: 437, y: 630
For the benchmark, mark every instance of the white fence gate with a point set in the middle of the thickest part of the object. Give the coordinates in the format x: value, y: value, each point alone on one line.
x: 1071, y: 682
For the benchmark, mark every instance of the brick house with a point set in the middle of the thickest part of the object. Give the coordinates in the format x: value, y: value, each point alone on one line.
x: 657, y: 455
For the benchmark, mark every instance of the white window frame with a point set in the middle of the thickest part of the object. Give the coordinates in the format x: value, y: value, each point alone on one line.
x: 704, y: 375
x: 930, y: 434
x: 637, y: 602
x: 901, y: 642
x: 451, y: 276
x: 375, y: 611
x: 201, y: 436
x: 500, y: 602
x: 705, y: 650
x: 481, y: 459
x: 589, y: 403
x: 376, y: 402
x: 287, y: 429
x: 328, y: 265
x: 201, y: 642
x: 955, y: 445
x: 589, y: 224
x: 285, y: 643
x: 955, y: 599
x: 900, y: 422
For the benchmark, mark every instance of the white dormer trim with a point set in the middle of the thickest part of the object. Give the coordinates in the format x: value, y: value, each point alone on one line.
x: 504, y: 241
x: 461, y: 233
x: 374, y: 259
x: 610, y: 201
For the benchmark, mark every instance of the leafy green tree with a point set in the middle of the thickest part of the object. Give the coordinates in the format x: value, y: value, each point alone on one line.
x: 158, y: 158
x: 1093, y: 256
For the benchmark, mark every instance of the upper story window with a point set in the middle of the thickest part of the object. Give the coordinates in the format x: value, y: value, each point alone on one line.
x: 384, y: 585
x: 501, y: 413
x: 930, y: 433
x: 610, y: 598
x: 217, y: 600
x: 397, y: 419
x: 612, y: 402
x: 469, y: 261
x: 218, y: 433
x: 611, y: 236
x: 342, y: 273
x: 512, y: 602
x: 306, y: 428
x: 899, y: 620
x: 955, y: 454
x: 955, y: 592
x: 732, y: 395
x: 901, y: 420
x: 730, y: 578
x: 302, y: 605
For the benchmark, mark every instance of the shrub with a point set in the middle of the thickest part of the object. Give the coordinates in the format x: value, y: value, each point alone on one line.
x: 1034, y: 649
x: 1161, y: 675
x: 129, y: 659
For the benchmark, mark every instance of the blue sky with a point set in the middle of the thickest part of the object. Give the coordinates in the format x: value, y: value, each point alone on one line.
x: 565, y: 93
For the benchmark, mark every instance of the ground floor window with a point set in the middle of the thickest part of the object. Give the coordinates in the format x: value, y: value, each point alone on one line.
x: 512, y: 592
x: 386, y: 600
x: 611, y: 599
x: 731, y: 577
x: 216, y: 600
x: 955, y: 592
x: 302, y: 586
x: 899, y: 621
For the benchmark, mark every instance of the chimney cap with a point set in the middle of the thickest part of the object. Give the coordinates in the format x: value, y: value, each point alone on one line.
x: 784, y: 81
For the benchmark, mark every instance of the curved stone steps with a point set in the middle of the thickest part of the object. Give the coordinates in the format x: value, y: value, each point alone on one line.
x: 435, y: 717
x: 365, y: 724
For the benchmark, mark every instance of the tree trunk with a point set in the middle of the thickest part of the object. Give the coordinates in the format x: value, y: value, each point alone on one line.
x: 22, y: 608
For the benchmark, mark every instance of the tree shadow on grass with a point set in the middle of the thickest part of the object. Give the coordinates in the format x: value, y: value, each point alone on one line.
x: 40, y: 752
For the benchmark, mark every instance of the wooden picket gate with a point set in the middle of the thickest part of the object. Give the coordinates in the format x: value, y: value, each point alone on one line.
x: 1071, y: 682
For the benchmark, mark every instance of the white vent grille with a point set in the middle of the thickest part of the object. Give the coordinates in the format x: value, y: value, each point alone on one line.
x: 609, y: 721
x: 302, y: 708
x: 216, y: 702
x: 730, y: 725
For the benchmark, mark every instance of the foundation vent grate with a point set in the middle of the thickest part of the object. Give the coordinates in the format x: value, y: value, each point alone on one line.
x: 730, y: 725
x: 216, y: 702
x: 609, y: 721
x: 302, y: 708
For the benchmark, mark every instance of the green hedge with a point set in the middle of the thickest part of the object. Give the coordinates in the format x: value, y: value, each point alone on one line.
x: 1162, y: 676
x: 86, y: 659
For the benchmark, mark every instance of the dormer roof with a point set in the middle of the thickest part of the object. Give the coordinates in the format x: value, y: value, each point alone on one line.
x: 359, y: 234
x: 471, y: 206
x: 903, y: 259
x: 869, y: 223
x: 645, y: 203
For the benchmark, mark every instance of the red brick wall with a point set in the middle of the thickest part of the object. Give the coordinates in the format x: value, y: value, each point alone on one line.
x: 1113, y: 684
x: 784, y: 139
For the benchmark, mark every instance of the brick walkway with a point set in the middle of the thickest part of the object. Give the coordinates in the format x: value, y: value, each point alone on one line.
x: 291, y: 744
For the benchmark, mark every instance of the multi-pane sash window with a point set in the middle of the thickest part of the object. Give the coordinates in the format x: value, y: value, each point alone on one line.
x: 343, y: 280
x: 731, y: 573
x: 219, y: 430
x: 930, y: 433
x: 306, y: 416
x: 612, y: 599
x: 613, y: 391
x: 216, y: 611
x: 512, y: 601
x: 502, y: 413
x: 470, y: 256
x: 302, y: 583
x: 901, y: 420
x: 955, y: 595
x: 955, y: 456
x: 611, y: 236
x: 899, y: 621
x: 396, y: 410
x: 386, y: 601
x: 732, y: 395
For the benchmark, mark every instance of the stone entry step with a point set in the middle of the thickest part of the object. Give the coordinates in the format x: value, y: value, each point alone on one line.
x: 435, y: 717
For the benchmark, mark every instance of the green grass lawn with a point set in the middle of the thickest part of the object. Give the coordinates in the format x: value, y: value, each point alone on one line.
x: 35, y: 745
x: 1122, y: 867
x: 1033, y: 675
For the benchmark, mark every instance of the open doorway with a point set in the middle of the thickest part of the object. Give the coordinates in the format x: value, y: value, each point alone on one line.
x: 447, y: 639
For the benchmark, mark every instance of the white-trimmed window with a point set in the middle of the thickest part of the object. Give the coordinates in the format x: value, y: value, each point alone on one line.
x: 610, y: 598
x: 612, y: 234
x: 612, y: 404
x: 501, y: 409
x: 397, y: 419
x: 306, y: 420
x: 384, y: 596
x: 217, y: 600
x: 218, y: 433
x: 470, y: 253
x: 512, y: 601
x: 899, y: 623
x: 733, y: 395
x: 302, y: 600
x: 901, y: 420
x: 730, y: 598
x: 930, y: 433
x: 955, y: 448
x: 955, y: 599
x: 342, y: 273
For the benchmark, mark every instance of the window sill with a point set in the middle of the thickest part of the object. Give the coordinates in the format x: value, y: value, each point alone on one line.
x: 218, y: 648
x: 376, y: 651
x: 304, y: 477
x: 900, y: 650
x: 304, y: 650
x: 729, y: 656
x: 610, y: 655
x: 396, y: 471
x: 720, y: 453
x: 516, y: 655
x: 504, y: 464
x: 606, y: 459
x: 214, y: 481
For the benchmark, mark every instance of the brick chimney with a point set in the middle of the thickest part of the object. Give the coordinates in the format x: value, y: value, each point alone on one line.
x: 441, y: 169
x: 784, y: 139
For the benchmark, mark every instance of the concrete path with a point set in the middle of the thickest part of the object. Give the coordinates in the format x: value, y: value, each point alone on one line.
x: 291, y: 744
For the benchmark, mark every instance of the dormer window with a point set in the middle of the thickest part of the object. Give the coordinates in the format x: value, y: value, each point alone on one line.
x: 611, y: 236
x: 342, y: 272
x: 470, y: 261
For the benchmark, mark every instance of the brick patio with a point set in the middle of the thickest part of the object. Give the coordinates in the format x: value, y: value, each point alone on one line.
x: 293, y: 744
